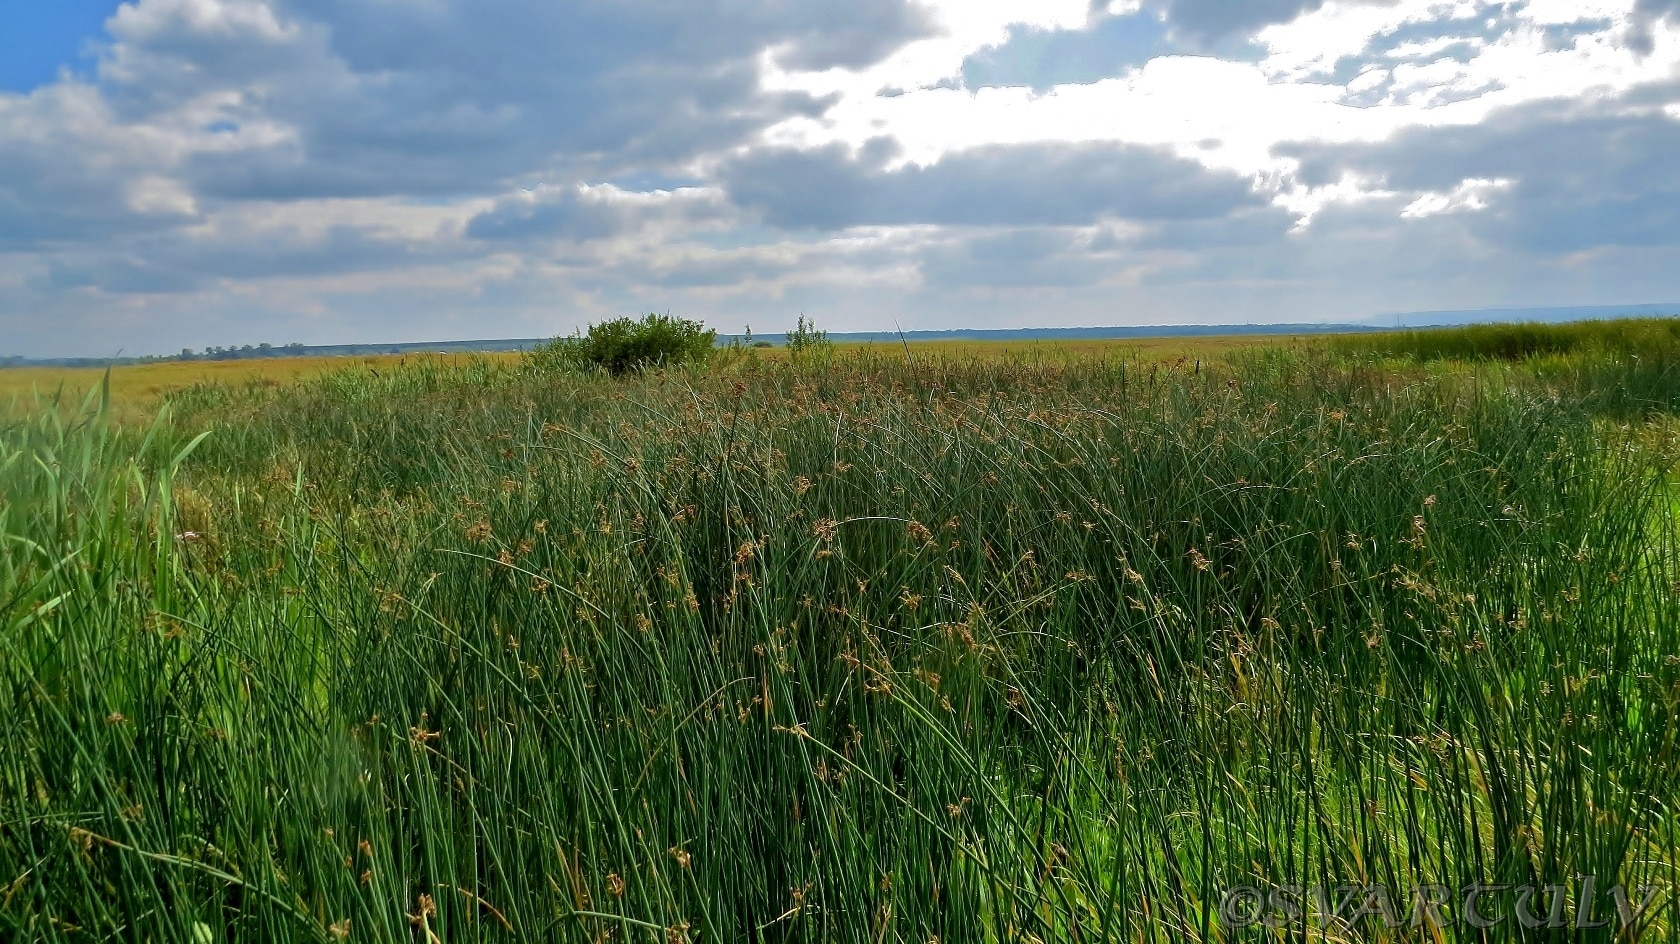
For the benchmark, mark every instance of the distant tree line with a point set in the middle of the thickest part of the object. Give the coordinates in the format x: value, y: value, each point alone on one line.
x: 248, y: 352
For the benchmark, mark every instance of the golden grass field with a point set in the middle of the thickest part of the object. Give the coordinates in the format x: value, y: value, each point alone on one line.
x: 136, y: 388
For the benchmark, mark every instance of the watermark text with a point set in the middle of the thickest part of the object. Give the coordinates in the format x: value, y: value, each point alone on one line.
x: 1581, y: 904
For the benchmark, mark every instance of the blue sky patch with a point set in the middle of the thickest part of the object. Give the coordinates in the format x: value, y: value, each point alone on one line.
x: 1044, y: 59
x: 38, y: 37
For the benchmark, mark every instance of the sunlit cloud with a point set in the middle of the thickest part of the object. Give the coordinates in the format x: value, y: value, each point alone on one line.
x: 248, y: 170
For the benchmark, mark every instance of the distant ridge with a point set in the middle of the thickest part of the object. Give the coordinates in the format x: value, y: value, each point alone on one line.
x: 1388, y: 322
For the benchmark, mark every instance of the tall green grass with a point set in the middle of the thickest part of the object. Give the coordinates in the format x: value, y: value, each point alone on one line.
x: 1647, y: 337
x: 891, y: 652
x: 1628, y: 368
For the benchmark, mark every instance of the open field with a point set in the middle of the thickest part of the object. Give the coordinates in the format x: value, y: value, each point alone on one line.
x: 1154, y: 349
x: 949, y: 647
x: 135, y: 388
x: 139, y: 386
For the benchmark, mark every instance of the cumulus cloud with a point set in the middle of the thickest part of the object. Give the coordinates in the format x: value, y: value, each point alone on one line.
x: 294, y: 99
x: 583, y: 212
x: 363, y: 98
x: 1025, y: 258
x: 1550, y: 177
x: 1648, y: 14
x: 68, y: 172
x: 1001, y: 185
x: 361, y: 169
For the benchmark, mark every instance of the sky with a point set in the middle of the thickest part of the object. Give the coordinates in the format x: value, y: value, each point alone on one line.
x: 184, y: 173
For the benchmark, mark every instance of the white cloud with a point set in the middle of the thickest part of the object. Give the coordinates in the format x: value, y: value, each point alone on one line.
x: 410, y: 168
x: 1249, y: 109
x: 140, y: 22
x: 1563, y: 12
x: 1306, y: 202
x: 1471, y: 194
x: 1371, y: 77
x: 161, y: 196
x: 1312, y: 44
x: 1423, y: 49
x: 964, y: 28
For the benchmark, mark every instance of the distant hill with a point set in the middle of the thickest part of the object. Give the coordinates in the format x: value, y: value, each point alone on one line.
x: 1387, y: 322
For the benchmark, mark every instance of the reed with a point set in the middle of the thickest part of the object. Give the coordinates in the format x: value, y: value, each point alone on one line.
x: 904, y: 650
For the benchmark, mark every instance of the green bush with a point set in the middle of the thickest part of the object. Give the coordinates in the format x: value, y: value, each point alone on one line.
x: 808, y: 346
x: 626, y: 345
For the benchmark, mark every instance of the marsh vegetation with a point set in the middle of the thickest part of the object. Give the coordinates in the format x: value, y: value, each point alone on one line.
x: 897, y: 649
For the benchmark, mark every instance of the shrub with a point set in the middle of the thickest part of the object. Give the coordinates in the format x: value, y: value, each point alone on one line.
x: 624, y: 345
x: 808, y: 346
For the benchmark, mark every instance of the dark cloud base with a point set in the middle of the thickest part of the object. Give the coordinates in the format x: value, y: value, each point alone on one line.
x: 1582, y: 176
x: 1027, y: 185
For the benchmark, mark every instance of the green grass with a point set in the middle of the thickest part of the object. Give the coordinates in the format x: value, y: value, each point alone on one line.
x: 976, y: 650
x: 1514, y: 342
x: 137, y: 390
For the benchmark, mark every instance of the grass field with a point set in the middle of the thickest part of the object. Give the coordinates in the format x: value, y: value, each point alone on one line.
x: 135, y: 389
x: 947, y: 647
x: 1154, y: 349
x: 139, y: 387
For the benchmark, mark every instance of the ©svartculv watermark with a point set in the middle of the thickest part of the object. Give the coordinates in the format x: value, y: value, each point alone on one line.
x: 1584, y: 903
